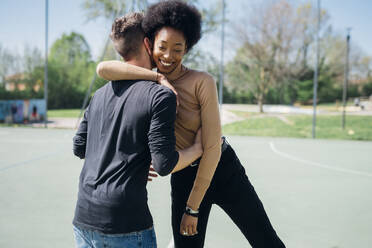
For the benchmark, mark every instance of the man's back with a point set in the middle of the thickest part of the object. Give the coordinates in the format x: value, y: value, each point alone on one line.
x: 126, y: 125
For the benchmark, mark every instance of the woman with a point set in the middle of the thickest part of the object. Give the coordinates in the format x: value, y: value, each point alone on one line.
x: 172, y: 29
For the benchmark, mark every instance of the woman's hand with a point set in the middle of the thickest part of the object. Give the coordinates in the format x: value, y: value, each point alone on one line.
x: 162, y: 80
x: 189, y: 225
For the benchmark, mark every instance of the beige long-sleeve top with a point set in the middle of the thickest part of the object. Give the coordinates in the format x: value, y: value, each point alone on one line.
x: 198, y: 106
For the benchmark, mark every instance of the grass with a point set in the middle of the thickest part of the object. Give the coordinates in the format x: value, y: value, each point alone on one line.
x: 64, y: 113
x: 300, y: 126
x: 335, y: 106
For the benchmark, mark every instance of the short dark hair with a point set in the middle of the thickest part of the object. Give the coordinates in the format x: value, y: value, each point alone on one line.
x: 127, y: 34
x: 175, y: 14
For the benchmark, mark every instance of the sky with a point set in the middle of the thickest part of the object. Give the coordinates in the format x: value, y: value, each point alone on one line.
x: 22, y: 23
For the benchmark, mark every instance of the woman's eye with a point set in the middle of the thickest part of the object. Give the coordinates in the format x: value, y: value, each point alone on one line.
x: 178, y: 51
x: 162, y: 48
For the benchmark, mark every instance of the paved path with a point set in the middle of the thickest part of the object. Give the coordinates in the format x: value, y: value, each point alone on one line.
x: 71, y: 123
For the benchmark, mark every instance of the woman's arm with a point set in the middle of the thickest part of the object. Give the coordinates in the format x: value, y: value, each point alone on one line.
x: 211, y: 140
x: 116, y: 70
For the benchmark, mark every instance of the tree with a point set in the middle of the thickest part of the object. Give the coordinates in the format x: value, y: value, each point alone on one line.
x: 110, y: 9
x: 277, y: 51
x: 248, y: 75
x: 70, y: 71
x: 9, y: 63
x: 267, y: 38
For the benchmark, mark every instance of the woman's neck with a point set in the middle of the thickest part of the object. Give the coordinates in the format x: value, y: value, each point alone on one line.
x: 176, y: 73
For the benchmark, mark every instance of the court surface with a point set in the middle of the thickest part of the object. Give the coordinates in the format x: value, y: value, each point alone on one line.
x: 317, y: 193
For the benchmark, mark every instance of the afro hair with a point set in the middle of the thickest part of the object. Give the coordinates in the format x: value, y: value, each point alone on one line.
x: 175, y: 14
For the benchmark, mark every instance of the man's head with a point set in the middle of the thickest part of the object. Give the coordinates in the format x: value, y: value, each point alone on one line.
x: 127, y: 36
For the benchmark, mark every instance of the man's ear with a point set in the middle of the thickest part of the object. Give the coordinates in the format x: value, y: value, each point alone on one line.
x: 148, y: 45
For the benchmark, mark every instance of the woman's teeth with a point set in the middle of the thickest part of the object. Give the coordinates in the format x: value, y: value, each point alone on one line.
x: 165, y: 63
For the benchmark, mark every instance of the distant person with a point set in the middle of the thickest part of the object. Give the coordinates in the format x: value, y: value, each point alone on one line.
x: 356, y: 101
x: 125, y: 127
x: 172, y: 28
x: 14, y: 111
x: 34, y: 114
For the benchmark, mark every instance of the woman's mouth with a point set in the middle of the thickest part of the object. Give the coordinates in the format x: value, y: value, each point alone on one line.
x: 165, y: 64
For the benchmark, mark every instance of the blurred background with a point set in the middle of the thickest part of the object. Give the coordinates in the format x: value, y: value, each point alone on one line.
x: 286, y: 71
x: 269, y: 57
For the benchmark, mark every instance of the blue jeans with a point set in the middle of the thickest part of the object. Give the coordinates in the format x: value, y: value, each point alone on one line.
x: 94, y: 239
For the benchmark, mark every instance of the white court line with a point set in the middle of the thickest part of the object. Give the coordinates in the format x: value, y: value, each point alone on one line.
x: 324, y: 166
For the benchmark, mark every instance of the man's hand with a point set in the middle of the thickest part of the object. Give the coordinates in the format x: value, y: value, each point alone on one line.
x: 152, y: 174
x: 162, y: 80
x: 188, y: 225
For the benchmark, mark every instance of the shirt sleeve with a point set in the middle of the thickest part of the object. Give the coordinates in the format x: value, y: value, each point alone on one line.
x: 162, y: 140
x: 116, y: 70
x: 211, y: 139
x: 80, y: 138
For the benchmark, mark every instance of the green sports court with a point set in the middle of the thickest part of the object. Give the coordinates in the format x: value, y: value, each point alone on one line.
x: 317, y: 193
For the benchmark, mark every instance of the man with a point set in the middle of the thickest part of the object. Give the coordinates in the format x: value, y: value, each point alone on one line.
x: 126, y: 125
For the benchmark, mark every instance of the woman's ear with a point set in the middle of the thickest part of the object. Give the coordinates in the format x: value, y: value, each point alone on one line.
x: 148, y: 45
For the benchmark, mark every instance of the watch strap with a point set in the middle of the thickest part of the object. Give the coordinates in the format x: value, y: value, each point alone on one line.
x: 191, y: 212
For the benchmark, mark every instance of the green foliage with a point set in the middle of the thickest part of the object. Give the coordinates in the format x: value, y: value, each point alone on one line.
x: 70, y: 71
x: 19, y: 95
x: 305, y: 91
x: 367, y: 89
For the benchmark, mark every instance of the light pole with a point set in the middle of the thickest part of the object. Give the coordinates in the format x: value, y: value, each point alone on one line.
x: 344, y: 93
x: 46, y: 65
x: 222, y: 54
x: 316, y: 73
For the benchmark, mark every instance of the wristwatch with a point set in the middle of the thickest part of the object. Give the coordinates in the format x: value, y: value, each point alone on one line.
x: 191, y: 212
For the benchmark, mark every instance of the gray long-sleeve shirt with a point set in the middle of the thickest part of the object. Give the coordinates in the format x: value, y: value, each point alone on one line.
x: 125, y: 126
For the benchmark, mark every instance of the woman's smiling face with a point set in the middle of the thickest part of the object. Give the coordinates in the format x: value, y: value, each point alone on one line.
x: 169, y: 49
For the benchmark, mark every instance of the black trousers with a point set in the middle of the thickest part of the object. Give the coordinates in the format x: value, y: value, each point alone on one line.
x: 231, y: 190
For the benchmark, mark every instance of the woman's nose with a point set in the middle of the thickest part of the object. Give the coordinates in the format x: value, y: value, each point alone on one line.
x: 166, y: 55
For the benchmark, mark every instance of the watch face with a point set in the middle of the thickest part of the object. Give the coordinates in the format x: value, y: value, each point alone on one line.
x: 191, y: 212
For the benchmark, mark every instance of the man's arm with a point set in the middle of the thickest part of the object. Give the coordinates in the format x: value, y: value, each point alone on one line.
x: 80, y: 138
x: 186, y: 156
x: 162, y: 141
x: 161, y: 136
x: 190, y: 154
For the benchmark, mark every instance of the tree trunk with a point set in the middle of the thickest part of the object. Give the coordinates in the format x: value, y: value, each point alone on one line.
x: 260, y: 103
